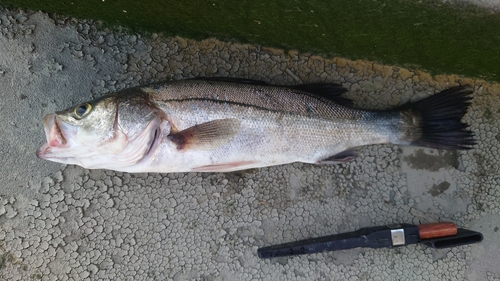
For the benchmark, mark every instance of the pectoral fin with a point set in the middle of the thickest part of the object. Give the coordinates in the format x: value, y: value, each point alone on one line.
x: 341, y: 157
x: 207, y: 135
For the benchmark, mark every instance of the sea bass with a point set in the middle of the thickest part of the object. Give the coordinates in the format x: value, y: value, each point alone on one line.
x: 224, y: 124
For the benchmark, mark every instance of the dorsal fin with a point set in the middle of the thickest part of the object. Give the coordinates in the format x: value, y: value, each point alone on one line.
x: 233, y: 80
x: 328, y: 91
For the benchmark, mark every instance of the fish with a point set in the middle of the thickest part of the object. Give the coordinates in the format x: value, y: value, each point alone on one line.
x: 230, y: 124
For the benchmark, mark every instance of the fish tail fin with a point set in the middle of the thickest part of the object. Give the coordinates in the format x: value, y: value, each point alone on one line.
x: 436, y: 121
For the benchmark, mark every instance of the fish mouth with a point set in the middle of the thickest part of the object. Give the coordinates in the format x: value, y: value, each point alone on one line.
x: 54, y: 135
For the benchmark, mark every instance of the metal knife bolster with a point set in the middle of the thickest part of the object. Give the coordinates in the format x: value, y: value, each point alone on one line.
x: 404, y: 234
x: 393, y: 236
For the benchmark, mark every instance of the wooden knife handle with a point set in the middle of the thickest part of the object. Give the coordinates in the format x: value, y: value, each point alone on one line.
x: 438, y: 229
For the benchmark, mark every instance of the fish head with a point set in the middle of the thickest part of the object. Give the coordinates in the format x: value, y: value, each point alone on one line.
x: 111, y: 132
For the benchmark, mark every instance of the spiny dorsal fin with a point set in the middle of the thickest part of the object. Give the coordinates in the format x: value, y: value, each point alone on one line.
x: 207, y: 135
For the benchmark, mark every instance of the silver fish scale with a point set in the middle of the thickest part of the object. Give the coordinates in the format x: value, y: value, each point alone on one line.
x: 281, y: 124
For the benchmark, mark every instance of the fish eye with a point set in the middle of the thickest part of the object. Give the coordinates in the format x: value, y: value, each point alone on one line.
x: 82, y: 110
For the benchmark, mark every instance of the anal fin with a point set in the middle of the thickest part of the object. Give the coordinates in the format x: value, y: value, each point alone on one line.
x: 341, y: 157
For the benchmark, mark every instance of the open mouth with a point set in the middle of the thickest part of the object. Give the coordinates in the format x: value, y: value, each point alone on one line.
x: 53, y: 132
x: 54, y: 136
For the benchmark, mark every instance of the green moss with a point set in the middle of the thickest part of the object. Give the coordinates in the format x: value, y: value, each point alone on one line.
x: 437, y: 37
x: 3, y: 260
x: 487, y: 114
x: 6, y: 258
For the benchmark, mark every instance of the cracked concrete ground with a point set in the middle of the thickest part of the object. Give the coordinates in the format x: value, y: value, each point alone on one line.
x: 61, y: 222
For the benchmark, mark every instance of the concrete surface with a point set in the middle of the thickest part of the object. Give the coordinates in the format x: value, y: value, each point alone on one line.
x: 62, y: 222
